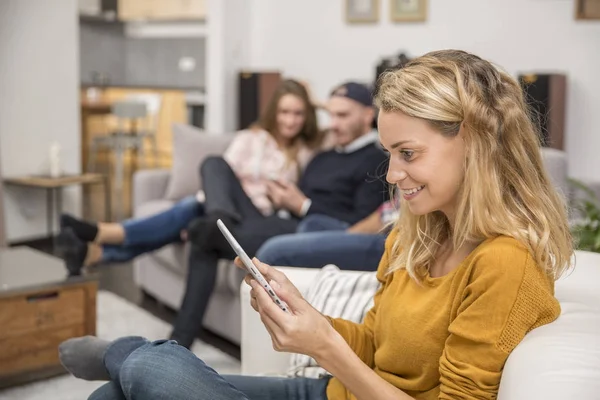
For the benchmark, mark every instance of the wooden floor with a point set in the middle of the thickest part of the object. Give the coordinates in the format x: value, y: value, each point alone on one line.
x: 118, y: 278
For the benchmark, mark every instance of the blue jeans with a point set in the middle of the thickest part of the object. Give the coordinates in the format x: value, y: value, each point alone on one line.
x: 351, y: 251
x: 144, y: 235
x: 320, y: 222
x: 140, y: 369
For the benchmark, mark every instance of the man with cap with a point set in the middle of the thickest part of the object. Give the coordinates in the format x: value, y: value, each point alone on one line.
x: 338, y: 188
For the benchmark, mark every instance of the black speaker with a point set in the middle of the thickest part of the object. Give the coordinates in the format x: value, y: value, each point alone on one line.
x: 398, y: 61
x: 546, y: 95
x: 255, y: 91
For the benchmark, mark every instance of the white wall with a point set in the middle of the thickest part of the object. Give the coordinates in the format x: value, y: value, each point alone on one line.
x: 39, y: 104
x: 310, y: 39
x: 227, y: 51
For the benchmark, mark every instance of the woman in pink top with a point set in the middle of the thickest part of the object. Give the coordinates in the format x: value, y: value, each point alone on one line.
x: 278, y: 146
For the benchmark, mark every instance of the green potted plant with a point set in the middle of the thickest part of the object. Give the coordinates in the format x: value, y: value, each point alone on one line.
x: 586, y: 228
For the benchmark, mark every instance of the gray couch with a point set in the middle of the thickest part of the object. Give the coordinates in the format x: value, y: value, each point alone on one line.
x: 162, y: 274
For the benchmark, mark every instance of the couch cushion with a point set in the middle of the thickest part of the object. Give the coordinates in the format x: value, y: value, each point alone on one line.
x: 173, y: 256
x: 190, y: 146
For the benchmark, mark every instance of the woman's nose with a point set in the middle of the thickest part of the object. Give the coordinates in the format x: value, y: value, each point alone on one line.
x: 395, y: 173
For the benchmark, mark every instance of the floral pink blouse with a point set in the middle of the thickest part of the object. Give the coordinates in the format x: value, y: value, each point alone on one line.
x: 255, y: 158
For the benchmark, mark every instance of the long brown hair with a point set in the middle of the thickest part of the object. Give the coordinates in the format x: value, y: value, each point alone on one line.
x: 506, y: 189
x: 309, y: 134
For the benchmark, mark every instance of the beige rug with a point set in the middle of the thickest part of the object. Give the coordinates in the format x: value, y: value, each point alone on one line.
x: 116, y: 318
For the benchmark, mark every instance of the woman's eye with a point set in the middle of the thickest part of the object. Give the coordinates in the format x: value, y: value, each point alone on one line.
x: 406, y: 154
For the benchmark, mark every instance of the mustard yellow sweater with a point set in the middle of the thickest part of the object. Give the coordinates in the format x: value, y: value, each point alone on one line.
x: 450, y: 337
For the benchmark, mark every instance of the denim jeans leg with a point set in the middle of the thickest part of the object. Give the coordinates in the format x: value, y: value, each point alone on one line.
x: 164, y: 227
x: 108, y: 391
x: 224, y: 192
x: 320, y: 222
x: 140, y: 369
x: 360, y: 252
x: 165, y: 370
x: 118, y: 351
x: 271, y: 388
x: 143, y: 235
x: 115, y: 253
x: 200, y: 283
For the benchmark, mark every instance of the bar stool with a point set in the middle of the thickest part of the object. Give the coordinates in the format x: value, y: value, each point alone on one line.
x: 126, y: 113
x: 147, y: 130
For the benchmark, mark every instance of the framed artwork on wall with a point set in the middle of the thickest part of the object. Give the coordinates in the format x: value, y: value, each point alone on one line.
x: 587, y: 9
x: 362, y: 11
x: 408, y: 10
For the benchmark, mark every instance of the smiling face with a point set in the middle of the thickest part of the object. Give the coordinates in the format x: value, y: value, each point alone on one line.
x: 291, y: 115
x: 425, y: 165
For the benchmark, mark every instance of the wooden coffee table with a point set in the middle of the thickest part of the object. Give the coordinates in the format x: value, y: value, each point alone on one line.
x: 39, y: 308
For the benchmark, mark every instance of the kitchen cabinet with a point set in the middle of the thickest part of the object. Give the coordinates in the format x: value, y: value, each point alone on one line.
x: 162, y: 10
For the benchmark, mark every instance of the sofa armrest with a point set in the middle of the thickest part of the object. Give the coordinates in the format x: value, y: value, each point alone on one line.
x: 149, y: 184
x: 258, y: 356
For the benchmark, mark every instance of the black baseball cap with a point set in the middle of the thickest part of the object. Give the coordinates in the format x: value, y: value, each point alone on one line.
x: 354, y: 91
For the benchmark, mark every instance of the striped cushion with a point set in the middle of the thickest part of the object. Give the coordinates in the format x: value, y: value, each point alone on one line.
x: 338, y: 295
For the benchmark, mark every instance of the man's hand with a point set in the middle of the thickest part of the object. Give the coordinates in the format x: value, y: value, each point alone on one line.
x: 286, y: 195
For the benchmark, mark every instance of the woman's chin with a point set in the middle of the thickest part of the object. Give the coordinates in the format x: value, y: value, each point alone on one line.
x: 418, y: 209
x: 289, y: 134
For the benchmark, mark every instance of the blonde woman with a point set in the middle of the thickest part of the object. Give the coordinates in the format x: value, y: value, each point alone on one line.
x: 468, y: 270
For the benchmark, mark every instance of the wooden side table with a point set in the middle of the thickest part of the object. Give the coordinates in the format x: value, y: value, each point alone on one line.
x: 54, y: 186
x: 39, y: 308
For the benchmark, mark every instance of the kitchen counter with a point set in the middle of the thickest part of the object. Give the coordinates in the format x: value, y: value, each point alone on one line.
x: 194, y: 96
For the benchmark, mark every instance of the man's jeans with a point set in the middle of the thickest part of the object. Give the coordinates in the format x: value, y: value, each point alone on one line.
x: 140, y: 369
x: 143, y: 235
x: 320, y: 222
x: 349, y: 251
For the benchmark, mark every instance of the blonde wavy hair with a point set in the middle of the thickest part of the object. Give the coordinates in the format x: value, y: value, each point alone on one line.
x: 506, y: 190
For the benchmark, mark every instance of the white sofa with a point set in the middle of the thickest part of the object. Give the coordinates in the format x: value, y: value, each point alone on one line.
x: 558, y: 361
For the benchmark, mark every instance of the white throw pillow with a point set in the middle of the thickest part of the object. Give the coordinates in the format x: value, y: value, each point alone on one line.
x: 184, y: 179
x: 337, y: 294
x: 191, y: 146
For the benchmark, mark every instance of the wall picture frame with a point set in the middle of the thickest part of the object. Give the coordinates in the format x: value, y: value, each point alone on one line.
x: 362, y: 11
x: 408, y: 10
x: 587, y: 9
